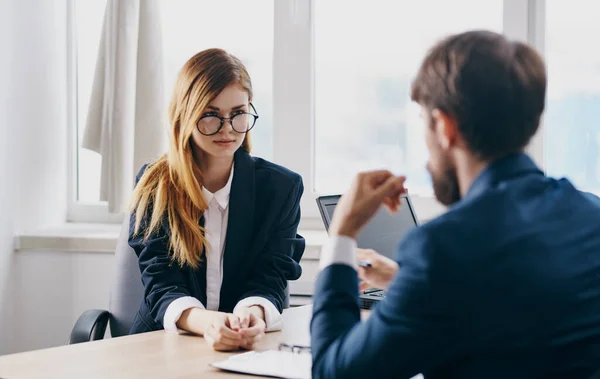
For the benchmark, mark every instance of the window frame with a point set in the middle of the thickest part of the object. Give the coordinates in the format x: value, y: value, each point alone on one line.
x: 293, y: 67
x: 78, y: 211
x: 72, y: 149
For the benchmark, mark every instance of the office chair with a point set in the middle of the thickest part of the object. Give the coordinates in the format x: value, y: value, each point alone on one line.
x: 126, y: 293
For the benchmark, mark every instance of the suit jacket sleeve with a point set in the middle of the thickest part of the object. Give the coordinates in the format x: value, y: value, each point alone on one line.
x: 412, y: 330
x: 163, y: 279
x: 279, y: 260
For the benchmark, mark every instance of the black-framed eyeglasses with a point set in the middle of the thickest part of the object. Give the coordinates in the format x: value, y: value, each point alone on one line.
x: 241, y: 122
x: 296, y: 349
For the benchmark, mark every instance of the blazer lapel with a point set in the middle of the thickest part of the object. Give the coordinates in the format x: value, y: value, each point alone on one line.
x: 200, y: 276
x: 240, y: 224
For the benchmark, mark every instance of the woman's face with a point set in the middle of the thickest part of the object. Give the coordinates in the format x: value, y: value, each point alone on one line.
x: 231, y: 102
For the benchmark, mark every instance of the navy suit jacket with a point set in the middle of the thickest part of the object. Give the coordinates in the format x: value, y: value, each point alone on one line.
x: 262, y: 247
x: 506, y: 284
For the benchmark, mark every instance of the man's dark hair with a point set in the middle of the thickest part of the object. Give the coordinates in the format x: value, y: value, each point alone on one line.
x: 493, y: 87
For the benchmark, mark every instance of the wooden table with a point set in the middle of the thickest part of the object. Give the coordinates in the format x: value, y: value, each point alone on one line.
x: 149, y: 355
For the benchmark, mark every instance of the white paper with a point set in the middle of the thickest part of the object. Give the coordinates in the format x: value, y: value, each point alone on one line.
x: 282, y: 364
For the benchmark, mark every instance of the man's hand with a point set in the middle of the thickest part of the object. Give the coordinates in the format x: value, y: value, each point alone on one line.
x: 222, y: 332
x: 252, y: 325
x: 363, y: 199
x: 381, y: 272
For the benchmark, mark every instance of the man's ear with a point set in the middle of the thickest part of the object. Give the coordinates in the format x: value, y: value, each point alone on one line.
x: 445, y: 128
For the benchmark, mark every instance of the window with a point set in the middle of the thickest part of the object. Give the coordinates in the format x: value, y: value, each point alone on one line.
x: 332, y: 81
x: 189, y: 26
x: 572, y: 120
x: 365, y: 59
x: 88, y: 31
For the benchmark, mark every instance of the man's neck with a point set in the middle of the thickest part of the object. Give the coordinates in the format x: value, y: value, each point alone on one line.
x: 467, y: 169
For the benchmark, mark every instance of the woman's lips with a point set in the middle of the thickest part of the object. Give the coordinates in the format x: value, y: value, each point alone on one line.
x: 224, y: 143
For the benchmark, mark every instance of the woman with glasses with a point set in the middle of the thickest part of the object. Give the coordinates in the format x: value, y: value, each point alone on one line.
x: 215, y: 229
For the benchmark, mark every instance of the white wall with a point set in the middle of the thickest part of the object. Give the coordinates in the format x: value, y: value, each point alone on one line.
x: 39, y: 112
x: 32, y: 142
x: 6, y: 191
x: 50, y: 291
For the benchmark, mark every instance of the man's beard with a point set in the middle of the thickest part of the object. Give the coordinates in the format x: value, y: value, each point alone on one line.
x: 445, y: 184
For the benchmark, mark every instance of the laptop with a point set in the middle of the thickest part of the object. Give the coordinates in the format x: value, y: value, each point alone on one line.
x: 382, y: 234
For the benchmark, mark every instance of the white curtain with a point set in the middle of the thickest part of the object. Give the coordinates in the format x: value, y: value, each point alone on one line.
x: 126, y: 117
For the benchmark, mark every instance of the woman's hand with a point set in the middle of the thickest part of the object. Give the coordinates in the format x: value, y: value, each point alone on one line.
x: 222, y: 332
x: 226, y: 331
x: 381, y: 272
x: 252, y: 325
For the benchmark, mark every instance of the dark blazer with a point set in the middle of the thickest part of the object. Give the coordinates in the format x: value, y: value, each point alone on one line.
x: 262, y: 247
x: 506, y: 284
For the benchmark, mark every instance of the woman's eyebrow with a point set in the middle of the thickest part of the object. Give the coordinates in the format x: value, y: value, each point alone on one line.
x: 212, y: 107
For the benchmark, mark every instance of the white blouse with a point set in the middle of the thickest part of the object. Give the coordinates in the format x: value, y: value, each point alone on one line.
x: 215, y: 225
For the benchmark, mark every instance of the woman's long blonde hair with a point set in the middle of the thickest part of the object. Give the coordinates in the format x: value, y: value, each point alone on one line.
x: 171, y: 187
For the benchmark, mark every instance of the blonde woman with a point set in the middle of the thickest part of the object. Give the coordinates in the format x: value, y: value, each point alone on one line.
x: 214, y: 228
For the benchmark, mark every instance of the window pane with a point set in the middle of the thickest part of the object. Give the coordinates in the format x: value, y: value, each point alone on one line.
x: 89, y: 18
x: 572, y: 120
x: 189, y: 26
x: 366, y: 58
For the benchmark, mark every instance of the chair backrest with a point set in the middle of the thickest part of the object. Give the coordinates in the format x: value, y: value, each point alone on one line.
x: 127, y: 291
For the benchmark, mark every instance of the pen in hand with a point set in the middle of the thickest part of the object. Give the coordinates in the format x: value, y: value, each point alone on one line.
x: 365, y: 264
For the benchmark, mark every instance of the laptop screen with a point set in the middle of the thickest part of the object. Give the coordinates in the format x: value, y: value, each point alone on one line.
x: 384, y: 232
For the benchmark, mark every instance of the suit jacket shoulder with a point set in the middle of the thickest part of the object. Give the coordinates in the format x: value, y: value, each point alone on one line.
x: 269, y: 171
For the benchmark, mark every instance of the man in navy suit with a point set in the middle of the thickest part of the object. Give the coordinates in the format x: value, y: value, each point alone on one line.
x: 506, y: 284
